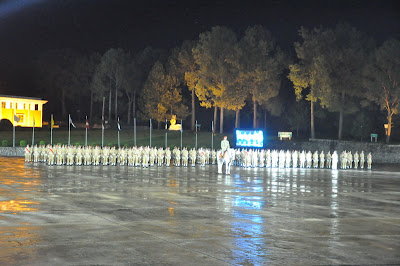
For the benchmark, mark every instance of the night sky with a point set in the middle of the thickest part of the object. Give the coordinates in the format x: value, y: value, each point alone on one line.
x: 31, y: 27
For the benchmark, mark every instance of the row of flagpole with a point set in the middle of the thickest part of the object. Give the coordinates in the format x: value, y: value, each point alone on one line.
x: 71, y: 123
x: 86, y: 130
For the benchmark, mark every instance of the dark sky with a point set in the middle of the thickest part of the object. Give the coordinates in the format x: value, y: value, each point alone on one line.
x: 30, y: 27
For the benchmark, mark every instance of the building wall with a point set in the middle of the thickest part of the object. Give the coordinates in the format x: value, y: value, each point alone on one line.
x: 27, y: 110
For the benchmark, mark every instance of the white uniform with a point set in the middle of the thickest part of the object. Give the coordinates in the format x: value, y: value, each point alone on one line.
x: 362, y: 160
x: 288, y: 159
x: 294, y: 159
x: 28, y: 154
x: 185, y: 157
x: 78, y: 156
x: 356, y: 157
x: 334, y: 160
x: 302, y: 159
x: 168, y: 157
x: 254, y: 159
x: 315, y: 159
x: 282, y: 159
x: 322, y: 160
x: 213, y: 156
x: 328, y: 160
x: 309, y: 159
x: 369, y: 161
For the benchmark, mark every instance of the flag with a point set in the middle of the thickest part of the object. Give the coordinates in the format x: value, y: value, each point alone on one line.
x: 52, y: 122
x: 102, y: 125
x: 33, y: 122
x: 196, y: 125
x: 181, y: 126
x: 72, y: 123
x: 87, y: 124
x: 212, y: 126
x: 16, y: 118
x: 119, y: 126
x: 166, y: 124
x: 151, y: 126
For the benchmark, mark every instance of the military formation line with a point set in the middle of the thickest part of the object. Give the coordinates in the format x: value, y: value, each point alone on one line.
x: 150, y: 156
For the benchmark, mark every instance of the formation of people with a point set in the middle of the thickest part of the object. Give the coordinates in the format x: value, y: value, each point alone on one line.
x: 145, y: 156
x: 301, y: 159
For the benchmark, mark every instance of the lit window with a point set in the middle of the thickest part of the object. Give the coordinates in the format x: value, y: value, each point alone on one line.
x: 24, y: 106
x: 3, y: 105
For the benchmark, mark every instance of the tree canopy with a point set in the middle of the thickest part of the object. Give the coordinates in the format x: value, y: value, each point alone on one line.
x: 338, y: 70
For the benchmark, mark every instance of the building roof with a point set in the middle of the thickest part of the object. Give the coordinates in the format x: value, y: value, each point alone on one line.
x: 22, y: 97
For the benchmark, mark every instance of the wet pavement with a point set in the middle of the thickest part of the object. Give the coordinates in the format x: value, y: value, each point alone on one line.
x: 62, y: 215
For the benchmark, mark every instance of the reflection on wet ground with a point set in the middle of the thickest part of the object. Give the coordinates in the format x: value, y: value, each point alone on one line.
x: 180, y: 216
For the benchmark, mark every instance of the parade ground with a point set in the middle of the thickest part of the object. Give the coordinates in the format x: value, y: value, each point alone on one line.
x: 107, y: 215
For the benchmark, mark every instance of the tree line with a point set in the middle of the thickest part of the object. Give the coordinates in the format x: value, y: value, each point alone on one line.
x: 335, y: 70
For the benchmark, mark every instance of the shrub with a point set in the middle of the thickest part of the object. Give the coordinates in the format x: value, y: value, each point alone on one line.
x: 110, y: 144
x: 42, y: 142
x: 77, y: 144
x: 23, y: 143
x: 4, y: 143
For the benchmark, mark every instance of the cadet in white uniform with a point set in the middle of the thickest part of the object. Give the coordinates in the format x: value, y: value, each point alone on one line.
x: 303, y: 159
x: 356, y: 159
x: 315, y: 159
x: 322, y: 160
x: 362, y: 160
x: 328, y: 160
x: 295, y: 158
x: 369, y: 161
x: 334, y: 160
x: 309, y: 159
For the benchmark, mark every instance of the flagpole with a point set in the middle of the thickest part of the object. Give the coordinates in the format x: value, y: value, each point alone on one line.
x: 150, y: 133
x: 181, y: 133
x: 212, y: 135
x: 196, y: 136
x: 69, y: 129
x: 118, y: 133
x: 134, y: 131
x: 102, y: 123
x: 166, y: 133
x: 51, y: 129
x: 86, y: 126
x: 13, y: 128
x: 33, y: 132
x: 102, y: 134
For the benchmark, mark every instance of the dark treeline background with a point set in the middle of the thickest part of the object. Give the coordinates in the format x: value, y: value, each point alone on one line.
x: 334, y: 82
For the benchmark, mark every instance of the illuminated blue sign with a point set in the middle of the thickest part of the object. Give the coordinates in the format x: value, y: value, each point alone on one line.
x: 249, y: 138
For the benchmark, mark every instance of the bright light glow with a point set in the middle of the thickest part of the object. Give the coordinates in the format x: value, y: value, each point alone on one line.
x: 249, y: 138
